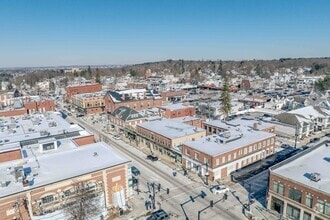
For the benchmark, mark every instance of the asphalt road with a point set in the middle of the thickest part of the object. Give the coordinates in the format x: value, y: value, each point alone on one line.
x: 180, y: 187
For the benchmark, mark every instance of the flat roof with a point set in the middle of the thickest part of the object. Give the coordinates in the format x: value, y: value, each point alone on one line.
x: 35, y: 126
x: 57, y: 165
x: 170, y: 128
x: 177, y: 106
x: 213, y: 144
x: 186, y: 118
x: 243, y: 121
x: 315, y: 160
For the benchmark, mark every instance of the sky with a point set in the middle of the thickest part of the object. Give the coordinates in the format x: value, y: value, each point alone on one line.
x: 94, y: 32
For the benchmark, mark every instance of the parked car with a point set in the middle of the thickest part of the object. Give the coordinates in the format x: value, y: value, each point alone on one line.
x: 116, y: 137
x: 159, y: 215
x: 135, y: 171
x: 314, y: 140
x: 152, y: 157
x: 218, y: 189
x: 285, y: 146
x: 327, y: 134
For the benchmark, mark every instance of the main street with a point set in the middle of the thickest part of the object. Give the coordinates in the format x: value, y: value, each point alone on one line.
x: 180, y: 186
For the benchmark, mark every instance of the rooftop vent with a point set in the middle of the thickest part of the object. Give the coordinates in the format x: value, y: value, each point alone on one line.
x: 19, y: 174
x: 95, y: 154
x: 315, y: 177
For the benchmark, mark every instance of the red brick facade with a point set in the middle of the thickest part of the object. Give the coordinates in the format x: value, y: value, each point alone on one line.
x: 10, y: 155
x: 79, y: 89
x: 30, y: 107
x: 81, y: 141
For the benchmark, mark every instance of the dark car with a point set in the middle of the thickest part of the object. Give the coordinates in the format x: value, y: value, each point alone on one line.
x: 152, y: 157
x: 159, y: 215
x: 313, y: 140
x: 135, y: 171
x: 327, y: 134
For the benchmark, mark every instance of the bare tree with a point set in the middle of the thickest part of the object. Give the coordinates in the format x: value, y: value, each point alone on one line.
x: 83, y: 204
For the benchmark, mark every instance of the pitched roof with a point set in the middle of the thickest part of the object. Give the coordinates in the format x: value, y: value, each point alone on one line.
x: 126, y: 113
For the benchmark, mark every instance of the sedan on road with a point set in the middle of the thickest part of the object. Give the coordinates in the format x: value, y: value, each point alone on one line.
x: 152, y: 157
x: 218, y: 189
x: 135, y: 171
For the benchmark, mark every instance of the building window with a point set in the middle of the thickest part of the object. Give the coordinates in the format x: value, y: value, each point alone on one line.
x: 47, y: 199
x: 307, y: 216
x: 229, y: 157
x: 293, y: 212
x: 268, y: 142
x: 309, y: 201
x: 234, y: 155
x: 255, y: 147
x: 259, y: 145
x: 295, y: 194
x: 272, y: 141
x: 245, y: 151
x: 223, y: 159
x: 187, y: 152
x: 196, y: 156
x: 264, y: 143
x: 206, y: 160
x: 277, y: 205
x: 217, y: 161
x: 250, y: 149
x: 323, y: 207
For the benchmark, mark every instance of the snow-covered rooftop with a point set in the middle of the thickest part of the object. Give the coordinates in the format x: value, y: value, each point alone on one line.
x: 23, y: 128
x: 218, y: 144
x: 299, y: 170
x: 66, y: 162
x: 177, y: 106
x: 170, y: 128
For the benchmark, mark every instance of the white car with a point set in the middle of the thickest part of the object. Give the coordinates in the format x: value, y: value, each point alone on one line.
x: 218, y: 189
x: 116, y: 137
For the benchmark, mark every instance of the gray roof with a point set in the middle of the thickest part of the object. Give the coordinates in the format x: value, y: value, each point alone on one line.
x: 316, y: 160
x: 64, y: 163
x: 35, y: 126
x: 170, y: 128
x: 217, y: 144
x: 126, y: 113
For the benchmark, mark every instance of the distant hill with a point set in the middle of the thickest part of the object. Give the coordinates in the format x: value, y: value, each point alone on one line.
x: 261, y: 67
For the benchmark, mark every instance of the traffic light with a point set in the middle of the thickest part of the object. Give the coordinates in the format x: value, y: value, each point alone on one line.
x: 159, y: 186
x: 168, y: 191
x: 192, y: 199
x: 211, y: 203
x: 203, y: 194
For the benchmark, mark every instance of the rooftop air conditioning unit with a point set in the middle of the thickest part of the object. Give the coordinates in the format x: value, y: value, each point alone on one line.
x: 315, y: 177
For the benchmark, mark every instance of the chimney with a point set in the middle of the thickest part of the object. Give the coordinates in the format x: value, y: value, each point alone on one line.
x: 255, y: 126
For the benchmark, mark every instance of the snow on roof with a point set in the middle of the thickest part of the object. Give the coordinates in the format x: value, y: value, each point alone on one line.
x: 177, y: 106
x: 65, y: 163
x: 22, y: 128
x: 307, y: 112
x: 186, y: 118
x: 214, y: 145
x: 298, y: 170
x: 170, y: 128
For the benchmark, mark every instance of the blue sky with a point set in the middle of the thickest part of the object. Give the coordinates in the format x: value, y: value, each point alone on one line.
x: 67, y: 32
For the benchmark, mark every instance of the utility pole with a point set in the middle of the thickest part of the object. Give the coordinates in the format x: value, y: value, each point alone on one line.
x: 296, y: 136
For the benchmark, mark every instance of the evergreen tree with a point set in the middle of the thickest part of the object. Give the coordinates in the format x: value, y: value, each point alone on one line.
x: 225, y: 98
x: 97, y: 76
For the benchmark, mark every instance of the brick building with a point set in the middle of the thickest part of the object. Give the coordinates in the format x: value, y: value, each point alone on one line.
x: 190, y: 120
x: 216, y: 156
x: 49, y: 181
x: 22, y: 106
x: 165, y: 137
x: 89, y: 103
x: 125, y: 117
x: 80, y: 89
x: 299, y: 188
x: 137, y: 99
x: 178, y: 96
x: 178, y: 110
x: 254, y: 101
x: 44, y: 160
